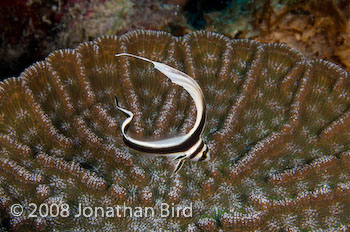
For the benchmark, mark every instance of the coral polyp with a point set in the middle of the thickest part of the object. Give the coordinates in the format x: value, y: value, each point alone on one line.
x: 277, y: 127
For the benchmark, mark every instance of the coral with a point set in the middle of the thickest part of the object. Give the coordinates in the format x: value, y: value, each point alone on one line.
x: 320, y: 29
x: 278, y: 130
x: 84, y: 20
x: 165, y: 15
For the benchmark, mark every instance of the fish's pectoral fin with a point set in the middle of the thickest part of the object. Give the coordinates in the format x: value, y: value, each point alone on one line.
x: 180, y: 157
x: 178, y: 166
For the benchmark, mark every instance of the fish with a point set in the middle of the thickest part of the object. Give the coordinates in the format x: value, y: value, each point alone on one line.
x: 185, y: 147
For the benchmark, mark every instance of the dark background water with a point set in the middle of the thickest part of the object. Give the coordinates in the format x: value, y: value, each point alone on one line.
x: 28, y: 30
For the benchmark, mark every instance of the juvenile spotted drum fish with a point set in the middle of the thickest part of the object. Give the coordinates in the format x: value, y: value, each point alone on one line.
x: 189, y: 146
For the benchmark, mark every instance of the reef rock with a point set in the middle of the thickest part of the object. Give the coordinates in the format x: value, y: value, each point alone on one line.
x: 278, y: 130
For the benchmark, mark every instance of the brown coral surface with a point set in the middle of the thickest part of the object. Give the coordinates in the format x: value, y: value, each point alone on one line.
x: 278, y: 129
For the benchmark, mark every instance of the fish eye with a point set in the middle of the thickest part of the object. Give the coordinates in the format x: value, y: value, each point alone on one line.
x: 205, y: 155
x: 205, y: 150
